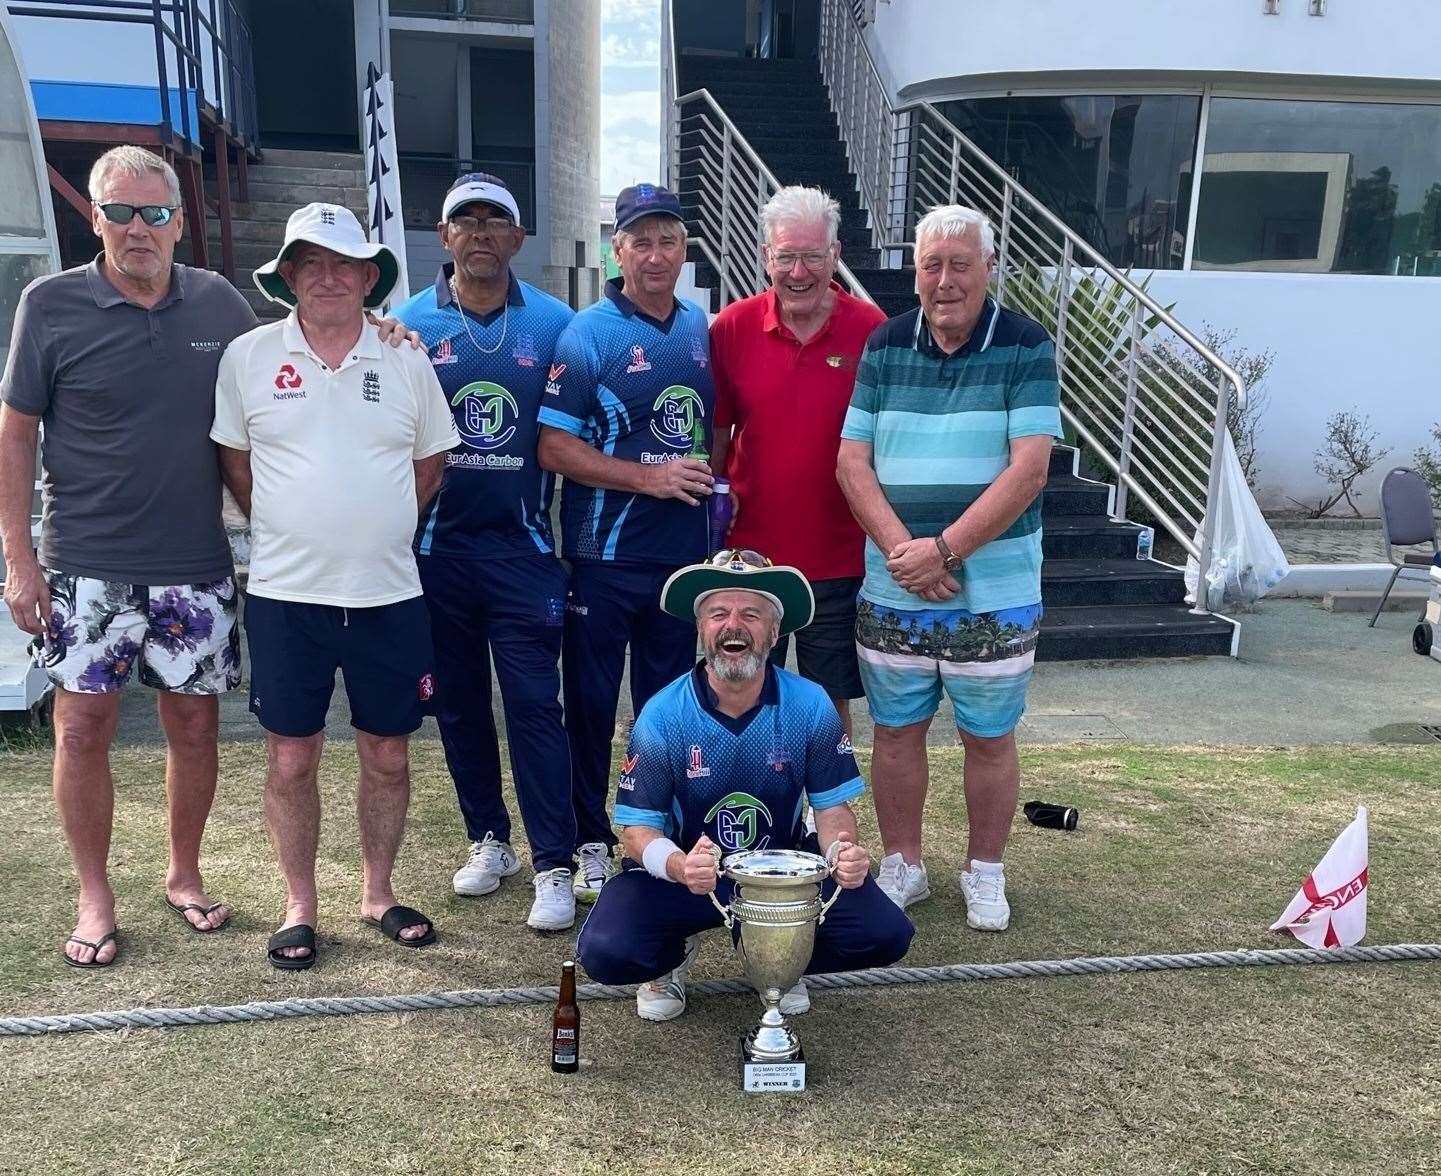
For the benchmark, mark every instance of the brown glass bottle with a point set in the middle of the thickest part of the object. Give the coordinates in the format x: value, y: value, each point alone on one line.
x: 565, y: 1025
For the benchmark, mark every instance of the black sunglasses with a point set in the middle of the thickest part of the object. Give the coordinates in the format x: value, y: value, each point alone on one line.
x: 153, y: 215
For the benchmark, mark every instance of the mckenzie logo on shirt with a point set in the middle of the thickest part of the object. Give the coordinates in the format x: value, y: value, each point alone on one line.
x: 737, y: 817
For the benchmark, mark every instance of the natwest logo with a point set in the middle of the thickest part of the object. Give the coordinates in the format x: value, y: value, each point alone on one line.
x: 287, y: 377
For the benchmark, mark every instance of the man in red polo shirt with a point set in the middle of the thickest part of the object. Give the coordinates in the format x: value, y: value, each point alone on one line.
x: 785, y: 365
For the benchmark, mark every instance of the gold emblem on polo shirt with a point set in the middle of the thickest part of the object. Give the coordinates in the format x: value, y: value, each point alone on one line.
x: 836, y: 360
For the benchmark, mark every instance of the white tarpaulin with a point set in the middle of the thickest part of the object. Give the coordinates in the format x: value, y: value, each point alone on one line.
x: 382, y: 176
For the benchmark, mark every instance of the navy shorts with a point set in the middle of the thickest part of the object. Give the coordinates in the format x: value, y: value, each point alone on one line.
x: 295, y: 649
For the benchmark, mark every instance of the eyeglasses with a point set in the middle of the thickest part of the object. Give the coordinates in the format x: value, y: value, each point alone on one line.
x: 490, y: 226
x: 153, y: 215
x: 813, y: 260
x: 743, y: 556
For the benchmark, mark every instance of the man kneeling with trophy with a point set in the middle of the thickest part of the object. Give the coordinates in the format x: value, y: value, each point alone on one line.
x: 722, y: 761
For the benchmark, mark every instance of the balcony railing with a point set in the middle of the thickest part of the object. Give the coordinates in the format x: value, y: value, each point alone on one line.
x: 500, y: 11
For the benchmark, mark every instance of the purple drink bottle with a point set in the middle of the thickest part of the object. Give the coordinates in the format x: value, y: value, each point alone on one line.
x: 718, y: 512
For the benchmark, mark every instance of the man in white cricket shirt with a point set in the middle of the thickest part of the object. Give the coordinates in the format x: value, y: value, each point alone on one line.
x: 332, y: 443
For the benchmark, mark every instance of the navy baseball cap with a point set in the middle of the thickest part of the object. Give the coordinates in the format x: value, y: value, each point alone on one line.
x: 642, y: 200
x: 482, y: 188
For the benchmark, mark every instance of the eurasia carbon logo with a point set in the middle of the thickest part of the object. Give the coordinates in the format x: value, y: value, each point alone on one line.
x: 674, y: 414
x: 487, y: 407
x: 737, y: 817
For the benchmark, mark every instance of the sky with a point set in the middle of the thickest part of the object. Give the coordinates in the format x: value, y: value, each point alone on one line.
x: 629, y: 93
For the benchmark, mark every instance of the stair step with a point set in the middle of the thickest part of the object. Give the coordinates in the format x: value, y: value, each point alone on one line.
x: 1080, y: 633
x: 291, y: 158
x: 307, y: 176
x: 243, y: 229
x: 1114, y: 582
x: 779, y: 92
x: 278, y: 211
x: 1070, y: 496
x: 757, y: 106
x: 888, y: 281
x: 894, y: 304
x: 296, y: 195
x: 1081, y: 538
x: 1063, y: 459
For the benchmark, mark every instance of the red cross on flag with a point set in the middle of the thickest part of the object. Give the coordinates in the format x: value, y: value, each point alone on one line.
x: 1330, y: 908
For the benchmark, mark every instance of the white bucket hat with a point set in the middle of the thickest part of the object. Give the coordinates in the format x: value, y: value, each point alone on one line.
x: 333, y: 227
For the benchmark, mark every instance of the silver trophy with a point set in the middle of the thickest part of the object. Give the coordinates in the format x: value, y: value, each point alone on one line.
x: 777, y: 907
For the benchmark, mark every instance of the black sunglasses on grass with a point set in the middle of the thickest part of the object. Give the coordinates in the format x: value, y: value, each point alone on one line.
x: 153, y: 215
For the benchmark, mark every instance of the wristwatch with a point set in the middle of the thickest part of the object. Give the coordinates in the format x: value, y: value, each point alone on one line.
x: 949, y: 558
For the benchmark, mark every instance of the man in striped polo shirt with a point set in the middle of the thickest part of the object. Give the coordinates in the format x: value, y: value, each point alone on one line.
x: 943, y: 455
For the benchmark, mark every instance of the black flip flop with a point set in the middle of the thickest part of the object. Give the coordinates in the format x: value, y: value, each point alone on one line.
x: 300, y: 935
x: 112, y: 934
x: 397, y: 919
x: 181, y: 907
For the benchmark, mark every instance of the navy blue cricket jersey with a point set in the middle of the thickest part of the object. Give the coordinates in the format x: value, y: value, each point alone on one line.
x: 634, y: 388
x: 690, y: 769
x: 495, y: 499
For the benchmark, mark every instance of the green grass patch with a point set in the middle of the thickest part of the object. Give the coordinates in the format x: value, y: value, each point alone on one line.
x: 1182, y: 849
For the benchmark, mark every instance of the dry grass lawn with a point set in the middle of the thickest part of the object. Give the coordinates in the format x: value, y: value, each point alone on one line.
x: 1297, y: 1070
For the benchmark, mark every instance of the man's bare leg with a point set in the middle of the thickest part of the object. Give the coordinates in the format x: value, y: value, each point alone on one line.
x: 993, y: 783
x: 292, y: 818
x: 192, y: 726
x: 85, y: 798
x: 843, y: 710
x: 899, y: 780
x: 381, y: 801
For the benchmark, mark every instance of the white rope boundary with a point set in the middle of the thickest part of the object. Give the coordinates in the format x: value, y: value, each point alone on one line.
x: 546, y: 994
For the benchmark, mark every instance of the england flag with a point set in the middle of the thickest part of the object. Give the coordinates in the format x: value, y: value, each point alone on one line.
x: 1330, y: 908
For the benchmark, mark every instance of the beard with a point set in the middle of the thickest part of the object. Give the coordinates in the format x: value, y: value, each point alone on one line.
x: 740, y: 665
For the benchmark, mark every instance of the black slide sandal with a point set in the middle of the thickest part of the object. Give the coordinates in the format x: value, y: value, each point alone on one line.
x: 397, y: 919
x: 300, y: 935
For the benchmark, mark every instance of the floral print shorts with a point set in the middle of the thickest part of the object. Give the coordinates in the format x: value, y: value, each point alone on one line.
x: 183, y: 638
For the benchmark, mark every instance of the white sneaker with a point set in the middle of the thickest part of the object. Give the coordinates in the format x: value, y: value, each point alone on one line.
x: 489, y: 861
x: 985, y: 894
x: 594, y: 869
x: 663, y: 999
x: 902, y: 883
x: 554, y: 906
x: 796, y: 1001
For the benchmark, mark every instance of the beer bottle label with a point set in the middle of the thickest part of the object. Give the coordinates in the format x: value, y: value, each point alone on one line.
x: 564, y: 1048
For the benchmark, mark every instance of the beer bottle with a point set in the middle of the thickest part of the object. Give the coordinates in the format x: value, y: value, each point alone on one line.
x: 565, y: 1025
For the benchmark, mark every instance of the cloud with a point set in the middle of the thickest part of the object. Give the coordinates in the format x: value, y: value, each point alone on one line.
x: 630, y: 12
x: 628, y: 50
x: 630, y: 93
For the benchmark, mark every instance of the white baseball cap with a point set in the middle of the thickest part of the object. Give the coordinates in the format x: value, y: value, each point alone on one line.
x: 483, y: 187
x: 333, y: 227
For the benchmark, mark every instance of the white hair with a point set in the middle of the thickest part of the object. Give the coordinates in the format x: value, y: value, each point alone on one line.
x: 798, y: 205
x: 134, y: 162
x: 623, y: 236
x: 956, y: 220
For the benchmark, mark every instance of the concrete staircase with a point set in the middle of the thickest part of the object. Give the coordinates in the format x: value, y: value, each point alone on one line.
x: 282, y: 182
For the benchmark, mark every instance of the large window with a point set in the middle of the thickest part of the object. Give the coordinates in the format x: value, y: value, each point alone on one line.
x: 1320, y: 187
x: 1116, y: 168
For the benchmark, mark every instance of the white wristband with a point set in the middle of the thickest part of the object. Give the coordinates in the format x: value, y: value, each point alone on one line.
x: 655, y: 855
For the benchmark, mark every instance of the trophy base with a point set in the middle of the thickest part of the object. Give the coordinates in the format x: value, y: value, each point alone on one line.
x: 764, y: 1077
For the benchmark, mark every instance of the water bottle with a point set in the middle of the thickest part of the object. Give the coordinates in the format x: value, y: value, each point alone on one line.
x: 1144, y: 541
x: 1051, y: 816
x: 718, y: 512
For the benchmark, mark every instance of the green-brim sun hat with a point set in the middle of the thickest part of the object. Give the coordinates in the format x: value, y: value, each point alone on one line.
x: 333, y: 227
x: 746, y: 571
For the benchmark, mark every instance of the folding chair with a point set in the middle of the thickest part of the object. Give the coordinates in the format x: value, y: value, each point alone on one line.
x: 1406, y: 520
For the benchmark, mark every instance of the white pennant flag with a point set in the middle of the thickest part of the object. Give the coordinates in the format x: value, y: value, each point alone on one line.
x: 1330, y: 908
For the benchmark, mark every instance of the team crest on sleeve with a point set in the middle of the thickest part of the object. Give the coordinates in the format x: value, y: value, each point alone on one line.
x: 844, y: 747
x: 552, y: 388
x: 628, y: 766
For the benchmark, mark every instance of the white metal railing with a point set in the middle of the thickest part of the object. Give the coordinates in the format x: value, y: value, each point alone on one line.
x: 1148, y: 398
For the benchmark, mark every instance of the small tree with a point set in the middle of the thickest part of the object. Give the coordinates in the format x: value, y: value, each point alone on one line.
x: 1428, y: 465
x: 1349, y: 452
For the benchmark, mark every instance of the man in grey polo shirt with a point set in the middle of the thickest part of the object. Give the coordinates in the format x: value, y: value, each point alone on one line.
x: 134, y: 576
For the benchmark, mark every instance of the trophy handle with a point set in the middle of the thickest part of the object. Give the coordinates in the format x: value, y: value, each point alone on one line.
x: 831, y: 856
x: 826, y: 906
x: 725, y: 911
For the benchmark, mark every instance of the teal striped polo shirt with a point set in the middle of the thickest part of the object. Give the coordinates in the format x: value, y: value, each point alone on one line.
x: 940, y: 428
